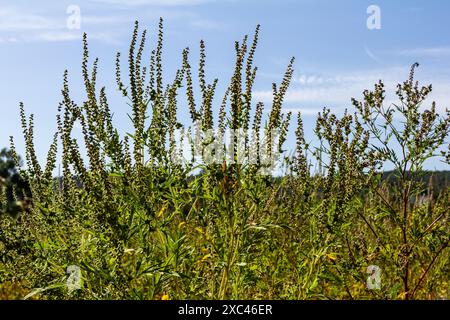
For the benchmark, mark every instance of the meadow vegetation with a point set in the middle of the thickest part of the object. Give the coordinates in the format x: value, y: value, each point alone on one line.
x: 141, y: 224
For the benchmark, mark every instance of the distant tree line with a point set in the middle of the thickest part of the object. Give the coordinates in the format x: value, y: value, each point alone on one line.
x: 434, y: 181
x: 15, y: 191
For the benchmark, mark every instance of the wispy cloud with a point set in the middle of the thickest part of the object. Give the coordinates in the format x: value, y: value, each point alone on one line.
x: 425, y: 52
x: 56, y: 36
x: 8, y: 40
x: 373, y: 56
x: 106, y: 20
x: 165, y: 3
x: 18, y: 25
x: 309, y: 93
x: 11, y: 19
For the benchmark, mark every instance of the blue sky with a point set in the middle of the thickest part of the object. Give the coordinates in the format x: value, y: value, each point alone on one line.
x: 337, y: 56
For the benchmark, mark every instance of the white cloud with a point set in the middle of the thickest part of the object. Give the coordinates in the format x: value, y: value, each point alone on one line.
x: 106, y: 37
x: 303, y: 111
x: 105, y: 20
x: 11, y: 19
x: 9, y: 40
x: 57, y: 36
x: 309, y: 93
x: 17, y: 25
x: 165, y: 3
x: 425, y: 52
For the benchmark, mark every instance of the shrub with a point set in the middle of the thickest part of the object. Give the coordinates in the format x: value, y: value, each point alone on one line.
x: 141, y: 221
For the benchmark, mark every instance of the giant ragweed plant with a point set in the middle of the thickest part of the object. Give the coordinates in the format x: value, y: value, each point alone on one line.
x: 140, y: 217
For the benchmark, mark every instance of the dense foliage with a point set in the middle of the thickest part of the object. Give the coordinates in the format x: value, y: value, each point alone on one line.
x: 142, y: 224
x: 15, y: 189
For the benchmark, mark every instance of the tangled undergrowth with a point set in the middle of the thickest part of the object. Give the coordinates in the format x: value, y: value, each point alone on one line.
x: 140, y: 223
